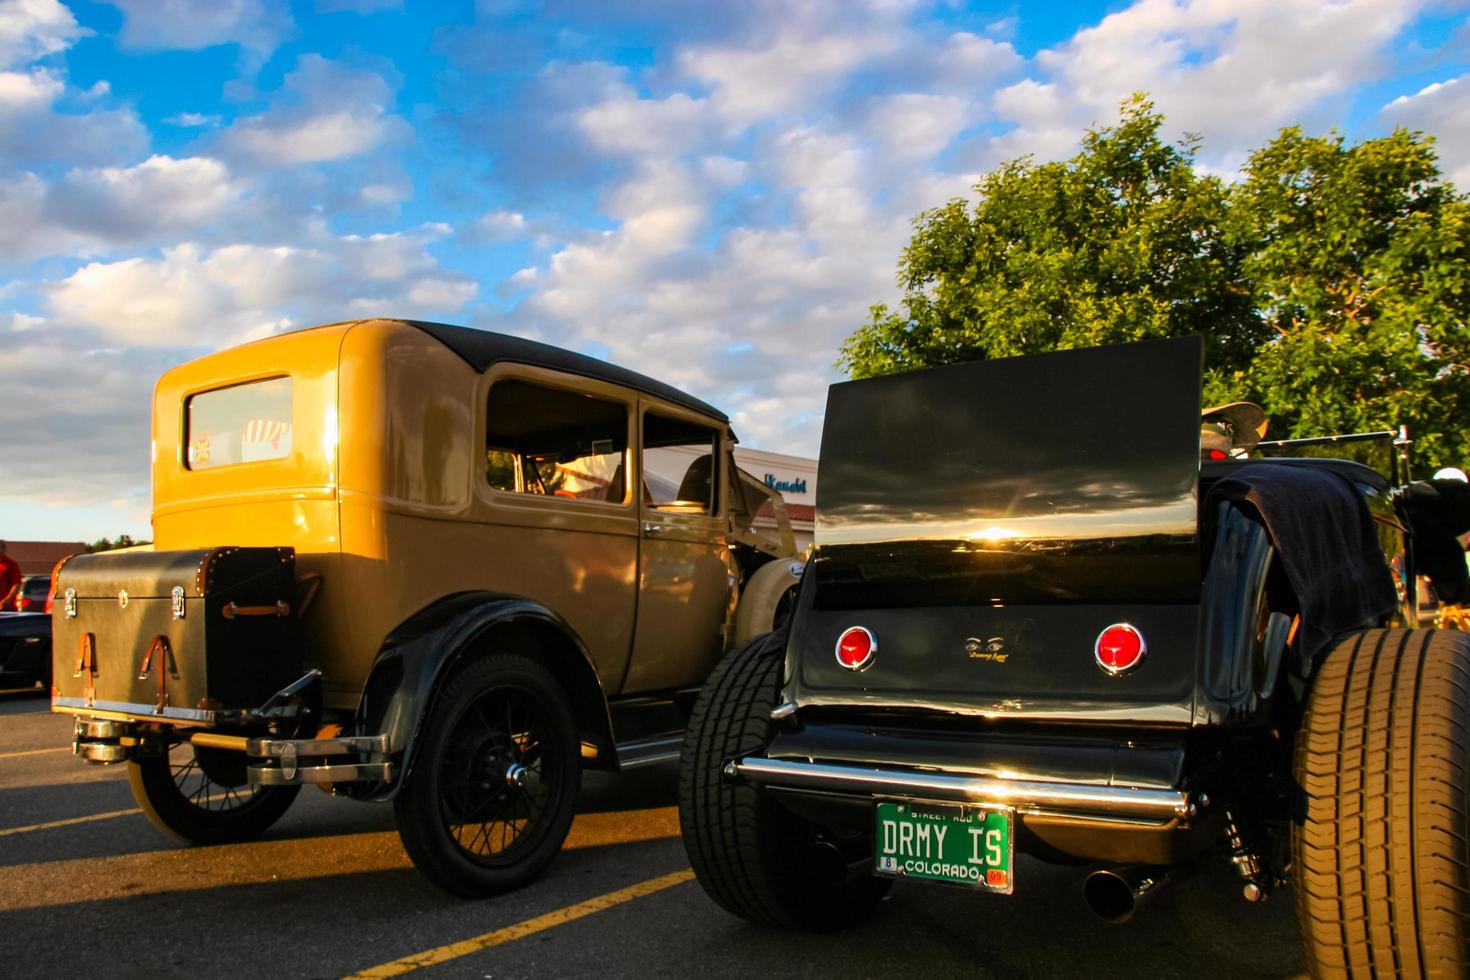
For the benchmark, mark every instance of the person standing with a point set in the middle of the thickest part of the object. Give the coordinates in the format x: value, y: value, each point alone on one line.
x: 9, y: 580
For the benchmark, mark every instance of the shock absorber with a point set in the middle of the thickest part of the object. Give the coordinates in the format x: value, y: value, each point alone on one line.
x: 1247, y: 863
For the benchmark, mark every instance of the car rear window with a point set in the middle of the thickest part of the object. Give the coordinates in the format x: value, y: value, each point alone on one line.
x: 243, y: 423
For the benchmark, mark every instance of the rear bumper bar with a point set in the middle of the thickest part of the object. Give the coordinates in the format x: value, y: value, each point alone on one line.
x: 1083, y: 800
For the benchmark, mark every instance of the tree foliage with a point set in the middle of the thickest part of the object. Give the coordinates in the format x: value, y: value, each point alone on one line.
x: 107, y: 544
x: 1330, y: 282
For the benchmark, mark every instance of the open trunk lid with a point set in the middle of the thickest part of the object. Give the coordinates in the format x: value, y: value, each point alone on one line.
x: 986, y: 521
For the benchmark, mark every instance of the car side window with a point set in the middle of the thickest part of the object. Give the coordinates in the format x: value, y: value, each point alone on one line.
x: 552, y: 442
x: 680, y: 465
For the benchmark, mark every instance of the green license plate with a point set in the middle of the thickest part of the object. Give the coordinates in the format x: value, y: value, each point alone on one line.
x: 964, y: 844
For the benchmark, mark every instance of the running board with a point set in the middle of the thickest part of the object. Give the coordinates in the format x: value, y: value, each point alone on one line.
x: 649, y: 751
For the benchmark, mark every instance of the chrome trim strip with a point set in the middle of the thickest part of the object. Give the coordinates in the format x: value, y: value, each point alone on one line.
x: 144, y: 712
x: 377, y: 772
x: 1026, y: 795
x: 648, y: 752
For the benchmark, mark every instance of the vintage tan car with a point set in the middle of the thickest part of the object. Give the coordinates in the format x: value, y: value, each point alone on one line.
x: 416, y: 562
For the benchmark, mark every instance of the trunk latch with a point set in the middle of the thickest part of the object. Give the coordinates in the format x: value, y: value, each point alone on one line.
x: 176, y: 597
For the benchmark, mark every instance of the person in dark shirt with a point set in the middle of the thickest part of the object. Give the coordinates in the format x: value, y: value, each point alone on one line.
x: 9, y: 581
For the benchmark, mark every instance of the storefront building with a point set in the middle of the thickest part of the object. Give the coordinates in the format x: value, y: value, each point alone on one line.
x: 795, y: 478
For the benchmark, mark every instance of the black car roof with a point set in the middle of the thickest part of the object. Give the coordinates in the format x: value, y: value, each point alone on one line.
x: 482, y: 348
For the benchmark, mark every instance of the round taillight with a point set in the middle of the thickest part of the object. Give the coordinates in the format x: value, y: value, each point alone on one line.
x: 1119, y: 648
x: 856, y: 648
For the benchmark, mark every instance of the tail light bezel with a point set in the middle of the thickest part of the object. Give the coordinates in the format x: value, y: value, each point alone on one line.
x: 870, y: 639
x: 1109, y: 665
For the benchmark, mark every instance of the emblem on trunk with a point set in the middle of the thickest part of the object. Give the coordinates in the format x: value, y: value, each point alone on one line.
x: 993, y: 649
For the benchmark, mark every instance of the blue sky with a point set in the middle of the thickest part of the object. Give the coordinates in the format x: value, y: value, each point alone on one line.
x: 712, y: 193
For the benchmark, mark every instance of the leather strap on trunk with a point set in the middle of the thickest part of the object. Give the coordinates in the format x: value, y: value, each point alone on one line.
x: 167, y: 667
x: 87, y: 661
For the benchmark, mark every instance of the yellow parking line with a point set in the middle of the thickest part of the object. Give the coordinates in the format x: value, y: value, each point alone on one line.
x: 17, y: 755
x: 21, y: 690
x: 432, y: 957
x: 59, y: 882
x: 68, y: 822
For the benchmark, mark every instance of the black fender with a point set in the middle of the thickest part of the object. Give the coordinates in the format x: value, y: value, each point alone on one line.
x: 420, y: 653
x: 1241, y: 654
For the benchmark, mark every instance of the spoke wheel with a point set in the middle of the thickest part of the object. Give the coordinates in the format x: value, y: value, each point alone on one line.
x: 203, y: 796
x: 492, y: 790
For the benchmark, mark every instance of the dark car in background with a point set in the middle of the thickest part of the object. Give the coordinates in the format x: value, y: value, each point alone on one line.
x: 35, y: 594
x: 25, y: 651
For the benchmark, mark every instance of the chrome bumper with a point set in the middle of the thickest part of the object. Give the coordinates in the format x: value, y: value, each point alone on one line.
x: 1154, y: 807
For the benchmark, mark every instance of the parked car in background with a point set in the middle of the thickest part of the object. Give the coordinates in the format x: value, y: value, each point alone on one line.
x: 25, y: 651
x: 420, y: 563
x: 35, y: 594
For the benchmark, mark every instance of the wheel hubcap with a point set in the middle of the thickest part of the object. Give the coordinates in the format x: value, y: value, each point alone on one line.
x: 498, y: 783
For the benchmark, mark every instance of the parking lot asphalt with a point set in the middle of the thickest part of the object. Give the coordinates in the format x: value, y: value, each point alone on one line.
x: 88, y: 887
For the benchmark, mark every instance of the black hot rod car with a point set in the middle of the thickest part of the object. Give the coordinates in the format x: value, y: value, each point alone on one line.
x: 1040, y: 619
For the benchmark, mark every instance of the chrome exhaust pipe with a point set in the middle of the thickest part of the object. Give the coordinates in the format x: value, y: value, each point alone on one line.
x: 826, y: 860
x: 1114, y: 894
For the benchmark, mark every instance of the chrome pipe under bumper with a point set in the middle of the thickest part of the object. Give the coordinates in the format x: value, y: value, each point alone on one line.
x: 297, y: 761
x: 1084, y: 800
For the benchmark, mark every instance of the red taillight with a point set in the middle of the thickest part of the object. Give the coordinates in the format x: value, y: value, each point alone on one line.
x: 1119, y: 648
x: 856, y: 648
x: 22, y: 604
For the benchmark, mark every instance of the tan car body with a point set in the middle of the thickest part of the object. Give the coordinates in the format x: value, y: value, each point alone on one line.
x: 385, y: 499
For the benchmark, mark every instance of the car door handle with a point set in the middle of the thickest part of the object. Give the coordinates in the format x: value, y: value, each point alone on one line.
x: 650, y: 528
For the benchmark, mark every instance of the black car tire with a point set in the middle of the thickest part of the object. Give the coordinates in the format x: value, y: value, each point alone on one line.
x: 202, y: 796
x: 750, y: 854
x: 1382, y: 864
x: 464, y: 770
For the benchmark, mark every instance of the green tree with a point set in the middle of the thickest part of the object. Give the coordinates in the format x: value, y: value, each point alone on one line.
x: 1330, y: 283
x: 107, y: 544
x: 1358, y: 265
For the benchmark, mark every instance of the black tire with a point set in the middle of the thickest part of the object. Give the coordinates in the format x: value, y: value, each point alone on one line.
x: 1381, y: 861
x: 202, y: 796
x: 750, y: 854
x: 465, y: 820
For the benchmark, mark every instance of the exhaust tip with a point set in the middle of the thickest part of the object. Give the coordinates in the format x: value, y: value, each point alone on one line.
x: 825, y: 860
x: 1109, y: 896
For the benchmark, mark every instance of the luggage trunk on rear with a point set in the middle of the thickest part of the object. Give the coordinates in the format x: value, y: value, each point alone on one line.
x: 987, y: 521
x: 175, y: 635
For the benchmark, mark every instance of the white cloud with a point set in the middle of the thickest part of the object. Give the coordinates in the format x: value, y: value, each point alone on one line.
x: 357, y: 6
x: 258, y: 26
x: 632, y: 125
x: 918, y: 125
x: 325, y: 111
x: 23, y: 93
x: 193, y: 120
x: 91, y: 210
x: 159, y: 195
x: 194, y: 297
x: 31, y: 128
x: 1442, y: 109
x: 32, y: 29
x: 781, y: 77
x: 1233, y: 72
x: 309, y: 139
x: 71, y: 404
